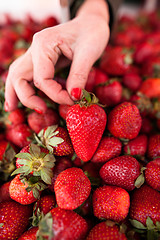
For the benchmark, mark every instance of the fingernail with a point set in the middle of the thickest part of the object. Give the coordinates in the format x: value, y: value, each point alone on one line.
x: 38, y: 110
x: 6, y: 106
x: 76, y: 94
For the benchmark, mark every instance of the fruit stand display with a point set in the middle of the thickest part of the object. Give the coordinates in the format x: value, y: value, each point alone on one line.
x: 91, y: 170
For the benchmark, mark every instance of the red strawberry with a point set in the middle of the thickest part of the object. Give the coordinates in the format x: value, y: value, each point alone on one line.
x: 30, y: 234
x: 132, y: 81
x: 61, y: 164
x: 121, y: 171
x: 116, y: 60
x: 151, y: 67
x: 20, y: 135
x: 37, y: 161
x: 124, y: 121
x: 109, y: 147
x: 86, y: 123
x: 147, y: 126
x: 14, y: 219
x: 23, y: 191
x: 109, y: 92
x: 154, y: 146
x: 106, y: 230
x: 38, y: 121
x: 57, y: 140
x: 137, y: 146
x: 111, y: 202
x: 152, y: 175
x: 145, y: 203
x: 13, y: 118
x: 151, y: 87
x: 72, y: 187
x: 45, y: 204
x: 63, y: 224
x: 4, y: 192
x: 143, y: 51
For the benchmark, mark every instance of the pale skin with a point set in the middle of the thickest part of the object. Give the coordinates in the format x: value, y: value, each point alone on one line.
x: 82, y: 40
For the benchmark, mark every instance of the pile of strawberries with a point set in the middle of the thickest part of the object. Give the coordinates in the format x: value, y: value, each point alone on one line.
x: 92, y: 170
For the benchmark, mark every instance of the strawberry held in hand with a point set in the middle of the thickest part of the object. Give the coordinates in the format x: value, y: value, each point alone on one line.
x: 86, y: 123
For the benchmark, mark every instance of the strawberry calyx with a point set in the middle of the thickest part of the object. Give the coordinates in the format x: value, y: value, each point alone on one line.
x: 38, y: 163
x: 87, y: 99
x: 151, y: 230
x: 45, y: 227
x: 34, y: 184
x: 47, y: 137
x: 140, y: 180
x: 144, y: 103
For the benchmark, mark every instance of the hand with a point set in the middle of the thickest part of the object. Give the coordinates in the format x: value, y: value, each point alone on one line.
x: 81, y: 40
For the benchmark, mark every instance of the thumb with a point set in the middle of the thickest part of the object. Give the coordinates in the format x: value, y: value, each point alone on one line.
x: 80, y: 68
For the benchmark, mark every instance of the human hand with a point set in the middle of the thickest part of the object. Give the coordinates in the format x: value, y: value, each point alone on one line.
x: 81, y: 40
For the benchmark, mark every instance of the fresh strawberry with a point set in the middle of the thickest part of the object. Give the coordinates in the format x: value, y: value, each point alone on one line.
x: 37, y: 161
x: 45, y: 204
x: 21, y: 135
x: 132, y: 81
x: 13, y: 118
x: 72, y: 187
x: 61, y: 164
x: 4, y: 192
x: 124, y: 121
x: 121, y: 171
x: 86, y: 123
x: 14, y: 219
x: 151, y: 67
x: 154, y: 146
x: 143, y: 51
x: 145, y: 203
x: 150, y: 87
x: 25, y: 191
x: 106, y: 230
x: 109, y: 92
x: 111, y: 202
x: 152, y: 175
x: 38, y: 121
x: 63, y: 109
x: 137, y: 146
x: 30, y: 234
x: 63, y: 224
x: 116, y: 60
x: 96, y: 76
x: 109, y: 147
x: 57, y: 140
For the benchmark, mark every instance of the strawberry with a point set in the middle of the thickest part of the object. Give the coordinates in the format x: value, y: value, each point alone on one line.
x: 147, y: 126
x: 109, y: 92
x: 111, y: 202
x: 143, y: 51
x: 151, y: 67
x: 145, y: 203
x: 37, y: 161
x: 132, y: 81
x: 30, y: 234
x: 137, y: 146
x: 25, y: 191
x: 13, y: 118
x: 21, y: 135
x: 4, y: 192
x: 62, y: 224
x: 61, y: 164
x: 57, y: 140
x: 106, y: 230
x: 151, y: 87
x: 124, y: 121
x: 14, y: 219
x: 72, y: 187
x: 116, y: 60
x: 37, y: 121
x: 121, y: 171
x: 109, y: 147
x: 152, y: 175
x: 86, y: 123
x: 154, y: 146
